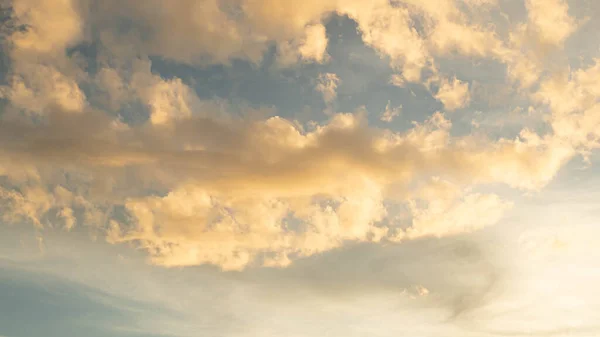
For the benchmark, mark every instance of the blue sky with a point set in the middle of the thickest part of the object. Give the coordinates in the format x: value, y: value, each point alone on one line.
x: 274, y: 168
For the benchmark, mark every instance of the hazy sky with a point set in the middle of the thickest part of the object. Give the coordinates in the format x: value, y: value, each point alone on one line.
x: 339, y: 168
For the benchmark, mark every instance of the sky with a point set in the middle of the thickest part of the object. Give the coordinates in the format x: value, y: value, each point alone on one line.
x: 339, y: 168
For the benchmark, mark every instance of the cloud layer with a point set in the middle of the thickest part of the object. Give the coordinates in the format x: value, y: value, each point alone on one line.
x: 92, y: 134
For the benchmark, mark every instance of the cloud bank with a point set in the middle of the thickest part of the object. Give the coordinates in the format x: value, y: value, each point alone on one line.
x: 91, y: 134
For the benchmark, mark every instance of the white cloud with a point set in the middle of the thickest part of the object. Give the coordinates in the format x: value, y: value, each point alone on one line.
x: 190, y: 176
x: 109, y: 81
x: 550, y: 20
x: 444, y: 217
x: 575, y: 113
x: 51, y: 26
x: 397, y: 80
x: 327, y: 85
x: 314, y: 47
x: 453, y: 94
x: 390, y: 113
x: 316, y: 190
x: 26, y: 206
x: 68, y: 217
x: 39, y: 87
x: 388, y: 29
x: 210, y: 181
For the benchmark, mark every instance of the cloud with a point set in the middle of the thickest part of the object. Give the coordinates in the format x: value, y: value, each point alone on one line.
x: 191, y: 226
x: 143, y: 131
x: 524, y: 69
x: 41, y: 73
x: 315, y: 45
x: 572, y: 99
x: 191, y: 36
x: 443, y: 217
x: 67, y: 215
x: 193, y: 181
x: 454, y: 37
x: 550, y: 20
x: 240, y: 192
x: 453, y: 94
x: 109, y: 81
x: 327, y: 85
x: 311, y: 48
x: 52, y: 26
x: 390, y: 113
x: 38, y: 87
x: 452, y: 29
x: 388, y: 29
x: 167, y: 100
x: 27, y: 206
x: 299, y: 33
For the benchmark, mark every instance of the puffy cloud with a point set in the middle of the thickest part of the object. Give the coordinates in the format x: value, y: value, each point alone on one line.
x: 109, y: 81
x: 452, y: 30
x: 468, y: 214
x: 451, y: 36
x: 26, y: 206
x: 252, y: 26
x: 311, y: 48
x: 422, y: 291
x: 186, y: 31
x: 39, y: 87
x: 139, y: 157
x: 239, y: 192
x: 198, y: 185
x: 390, y: 113
x: 47, y: 206
x: 575, y: 112
x: 315, y: 45
x: 530, y: 45
x: 388, y: 29
x: 397, y: 80
x: 550, y: 20
x: 524, y: 69
x: 167, y: 100
x: 191, y: 226
x: 42, y: 74
x: 51, y: 26
x: 67, y: 215
x: 453, y: 94
x: 327, y: 85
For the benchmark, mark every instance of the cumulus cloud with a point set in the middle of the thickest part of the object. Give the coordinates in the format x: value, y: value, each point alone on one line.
x: 443, y: 217
x: 389, y: 30
x: 240, y: 192
x: 572, y: 98
x: 453, y: 94
x: 42, y: 74
x: 390, y: 113
x: 193, y: 182
x: 312, y: 47
x: 109, y: 81
x: 550, y: 20
x: 327, y: 85
x: 26, y: 206
x: 166, y: 100
x: 299, y: 33
x: 38, y: 87
x: 51, y: 26
x: 193, y: 133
